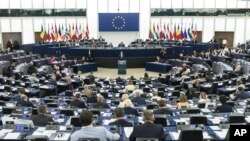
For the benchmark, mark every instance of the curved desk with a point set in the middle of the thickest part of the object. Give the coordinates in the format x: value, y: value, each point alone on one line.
x: 108, y: 57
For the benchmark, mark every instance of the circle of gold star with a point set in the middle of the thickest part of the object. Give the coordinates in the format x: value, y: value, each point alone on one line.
x: 118, y: 18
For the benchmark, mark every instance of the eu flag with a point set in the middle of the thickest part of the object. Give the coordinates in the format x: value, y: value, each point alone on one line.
x: 118, y: 21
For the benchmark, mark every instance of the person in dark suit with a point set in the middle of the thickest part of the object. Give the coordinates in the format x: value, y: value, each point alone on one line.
x: 213, y: 40
x: 10, y: 45
x: 101, y: 103
x: 92, y: 98
x: 91, y: 78
x: 120, y: 119
x: 138, y: 100
x: 21, y: 91
x: 121, y: 44
x: 163, y: 109
x: 148, y: 129
x: 121, y: 56
x: 242, y: 94
x: 77, y: 102
x: 31, y: 68
x: 224, y: 108
x: 24, y: 102
x: 41, y: 119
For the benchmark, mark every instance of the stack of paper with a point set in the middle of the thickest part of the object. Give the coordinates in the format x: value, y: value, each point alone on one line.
x: 62, y: 137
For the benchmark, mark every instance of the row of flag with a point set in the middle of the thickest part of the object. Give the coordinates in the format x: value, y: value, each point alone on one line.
x: 178, y: 32
x: 60, y: 32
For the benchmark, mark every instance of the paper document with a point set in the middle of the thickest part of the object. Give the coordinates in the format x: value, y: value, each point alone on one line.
x: 12, y: 136
x: 221, y: 134
x: 174, y: 135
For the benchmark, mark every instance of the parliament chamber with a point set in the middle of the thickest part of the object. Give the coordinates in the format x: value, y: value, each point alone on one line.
x: 125, y: 70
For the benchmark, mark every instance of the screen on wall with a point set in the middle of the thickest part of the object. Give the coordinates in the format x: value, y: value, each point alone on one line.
x: 118, y: 22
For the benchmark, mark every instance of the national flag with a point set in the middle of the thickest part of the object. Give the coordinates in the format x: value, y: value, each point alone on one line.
x: 154, y: 32
x: 56, y: 33
x: 158, y: 32
x: 52, y: 33
x: 165, y: 32
x: 150, y: 34
x: 161, y: 34
x: 182, y: 34
x: 87, y: 32
x: 174, y: 33
x: 185, y: 34
x: 70, y: 32
x: 49, y: 36
x: 189, y: 37
x: 168, y: 33
x: 67, y: 34
x: 45, y: 33
x: 195, y: 31
x: 63, y: 36
x: 80, y: 34
x: 77, y: 32
x: 59, y: 31
x: 178, y: 33
x: 42, y: 33
x: 73, y: 33
x: 191, y: 32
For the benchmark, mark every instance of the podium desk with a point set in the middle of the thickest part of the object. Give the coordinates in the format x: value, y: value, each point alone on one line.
x: 122, y: 65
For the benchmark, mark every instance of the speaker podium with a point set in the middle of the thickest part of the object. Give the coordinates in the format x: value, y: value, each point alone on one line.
x: 122, y: 66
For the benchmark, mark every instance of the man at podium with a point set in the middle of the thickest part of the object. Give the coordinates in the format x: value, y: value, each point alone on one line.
x: 121, y: 56
x: 121, y: 64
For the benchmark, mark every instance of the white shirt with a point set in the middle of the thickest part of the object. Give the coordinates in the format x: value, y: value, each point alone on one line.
x: 94, y: 132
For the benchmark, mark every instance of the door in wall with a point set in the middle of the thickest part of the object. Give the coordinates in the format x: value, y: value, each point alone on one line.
x: 229, y: 36
x: 15, y: 36
x: 37, y: 37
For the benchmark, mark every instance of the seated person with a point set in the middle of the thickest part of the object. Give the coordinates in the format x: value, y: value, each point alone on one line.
x: 101, y: 103
x: 75, y: 61
x: 86, y: 91
x: 163, y: 109
x: 238, y: 69
x: 120, y: 119
x: 224, y: 108
x: 158, y: 60
x: 21, y: 91
x: 183, y: 102
x: 130, y: 86
x: 90, y: 131
x: 148, y: 129
x: 52, y: 60
x: 155, y: 96
x: 113, y: 89
x: 84, y: 60
x: 63, y: 58
x: 204, y: 99
x: 89, y: 58
x: 241, y: 94
x: 42, y: 118
x: 125, y: 100
x: 77, y: 102
x: 92, y: 98
x: 121, y: 44
x: 138, y: 100
x: 24, y: 102
x: 191, y: 92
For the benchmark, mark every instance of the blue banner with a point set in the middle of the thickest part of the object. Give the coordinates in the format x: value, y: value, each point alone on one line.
x: 118, y: 21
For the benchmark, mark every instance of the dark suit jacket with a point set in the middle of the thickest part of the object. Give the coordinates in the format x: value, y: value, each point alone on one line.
x: 147, y: 130
x: 122, y: 123
x: 92, y: 99
x: 139, y: 101
x: 77, y: 103
x: 101, y: 106
x: 244, y: 95
x: 166, y: 111
x: 23, y: 103
x: 224, y: 109
x: 41, y: 120
x: 131, y: 111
